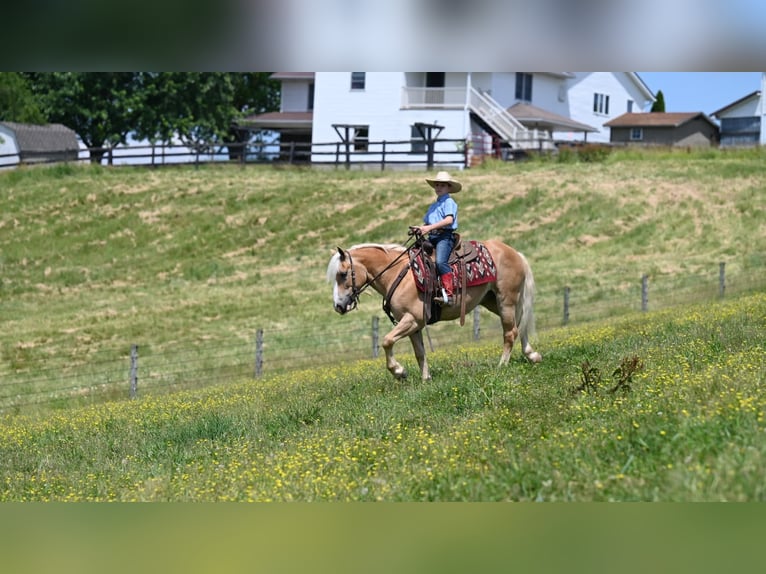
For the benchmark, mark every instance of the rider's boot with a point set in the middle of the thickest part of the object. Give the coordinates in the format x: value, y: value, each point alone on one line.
x: 448, y: 290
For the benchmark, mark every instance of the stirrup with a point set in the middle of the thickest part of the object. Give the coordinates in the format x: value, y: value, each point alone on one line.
x: 444, y: 299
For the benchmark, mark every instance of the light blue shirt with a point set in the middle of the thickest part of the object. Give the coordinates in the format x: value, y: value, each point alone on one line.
x: 440, y: 209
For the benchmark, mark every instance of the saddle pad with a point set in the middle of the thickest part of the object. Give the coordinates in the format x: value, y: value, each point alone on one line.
x: 479, y: 271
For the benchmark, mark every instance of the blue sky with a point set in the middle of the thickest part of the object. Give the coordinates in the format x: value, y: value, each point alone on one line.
x: 701, y: 91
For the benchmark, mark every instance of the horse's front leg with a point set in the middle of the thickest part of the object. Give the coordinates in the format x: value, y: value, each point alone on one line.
x: 407, y: 326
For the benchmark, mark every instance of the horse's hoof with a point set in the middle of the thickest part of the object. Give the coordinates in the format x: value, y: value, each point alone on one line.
x: 535, y: 357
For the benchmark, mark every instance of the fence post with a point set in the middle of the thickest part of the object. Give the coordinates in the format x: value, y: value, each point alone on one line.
x: 133, y: 371
x: 375, y: 338
x: 258, y: 353
x: 476, y: 324
x: 644, y: 292
x: 721, y: 279
x: 383, y: 158
x: 566, y: 304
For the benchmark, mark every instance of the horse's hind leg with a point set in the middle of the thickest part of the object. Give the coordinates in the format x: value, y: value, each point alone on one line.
x: 506, y: 310
x: 420, y: 354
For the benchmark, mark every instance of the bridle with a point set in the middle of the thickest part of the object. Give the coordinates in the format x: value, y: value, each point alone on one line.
x: 356, y: 292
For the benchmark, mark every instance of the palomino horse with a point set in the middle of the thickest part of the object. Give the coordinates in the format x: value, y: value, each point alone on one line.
x: 510, y: 296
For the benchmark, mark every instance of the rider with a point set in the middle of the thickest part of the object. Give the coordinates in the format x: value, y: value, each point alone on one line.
x: 440, y: 225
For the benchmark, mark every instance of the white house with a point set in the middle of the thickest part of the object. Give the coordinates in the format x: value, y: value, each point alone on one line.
x: 743, y: 122
x: 359, y: 111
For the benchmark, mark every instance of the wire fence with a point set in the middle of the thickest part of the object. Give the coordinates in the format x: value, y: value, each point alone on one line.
x: 138, y: 369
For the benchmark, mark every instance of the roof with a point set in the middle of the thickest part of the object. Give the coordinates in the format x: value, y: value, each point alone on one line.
x: 750, y: 96
x: 279, y: 120
x: 532, y: 116
x: 656, y: 119
x: 33, y: 138
x: 292, y: 76
x: 642, y: 86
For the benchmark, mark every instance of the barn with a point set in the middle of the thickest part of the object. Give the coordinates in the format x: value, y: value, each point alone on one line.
x: 30, y: 143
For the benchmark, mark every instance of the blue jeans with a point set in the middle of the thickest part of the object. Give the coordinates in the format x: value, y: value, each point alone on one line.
x: 443, y: 243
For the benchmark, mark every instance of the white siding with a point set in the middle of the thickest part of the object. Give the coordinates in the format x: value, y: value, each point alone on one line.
x: 747, y: 109
x: 377, y: 106
x: 295, y: 96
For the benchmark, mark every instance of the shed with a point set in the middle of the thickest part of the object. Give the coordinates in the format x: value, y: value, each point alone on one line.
x: 30, y: 143
x: 664, y: 128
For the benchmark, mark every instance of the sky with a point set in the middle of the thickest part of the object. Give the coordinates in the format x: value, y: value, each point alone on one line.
x: 701, y: 91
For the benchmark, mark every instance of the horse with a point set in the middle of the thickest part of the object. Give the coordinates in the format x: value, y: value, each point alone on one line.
x: 510, y: 296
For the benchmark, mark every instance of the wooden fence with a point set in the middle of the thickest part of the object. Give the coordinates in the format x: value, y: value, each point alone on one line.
x: 382, y: 154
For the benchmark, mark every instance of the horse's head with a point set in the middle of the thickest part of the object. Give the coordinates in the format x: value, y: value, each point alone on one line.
x: 347, y: 278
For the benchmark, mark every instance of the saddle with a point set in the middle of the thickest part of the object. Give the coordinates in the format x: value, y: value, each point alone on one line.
x: 471, y: 265
x: 424, y: 269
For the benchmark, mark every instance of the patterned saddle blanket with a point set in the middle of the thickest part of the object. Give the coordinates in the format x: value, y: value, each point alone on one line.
x: 478, y: 270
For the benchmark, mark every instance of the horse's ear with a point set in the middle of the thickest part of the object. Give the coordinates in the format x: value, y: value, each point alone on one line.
x: 342, y: 254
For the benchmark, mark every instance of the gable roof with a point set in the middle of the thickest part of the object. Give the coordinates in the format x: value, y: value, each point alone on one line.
x: 292, y: 76
x: 532, y: 116
x: 656, y: 119
x: 747, y: 98
x: 40, y: 139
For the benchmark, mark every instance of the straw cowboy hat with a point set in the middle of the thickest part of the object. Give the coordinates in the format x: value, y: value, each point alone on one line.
x: 444, y: 177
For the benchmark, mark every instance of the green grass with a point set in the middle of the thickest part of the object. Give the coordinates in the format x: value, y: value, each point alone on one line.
x: 687, y: 425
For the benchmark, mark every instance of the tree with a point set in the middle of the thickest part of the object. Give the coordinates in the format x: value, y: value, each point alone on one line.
x: 254, y: 93
x: 17, y: 103
x: 659, y: 103
x: 196, y: 107
x: 101, y: 107
x: 199, y: 108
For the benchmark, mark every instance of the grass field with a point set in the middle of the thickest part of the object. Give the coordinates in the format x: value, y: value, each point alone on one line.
x: 665, y: 407
x: 188, y: 263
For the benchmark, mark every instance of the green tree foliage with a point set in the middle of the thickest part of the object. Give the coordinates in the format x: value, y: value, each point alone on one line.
x: 254, y: 93
x: 659, y: 103
x: 17, y: 103
x: 199, y: 108
x: 101, y: 107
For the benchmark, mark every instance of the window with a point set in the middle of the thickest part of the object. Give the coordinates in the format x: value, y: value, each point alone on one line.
x: 358, y: 80
x: 630, y: 106
x: 601, y: 104
x: 418, y: 144
x: 636, y: 134
x: 524, y: 86
x: 361, y: 138
x: 311, y: 98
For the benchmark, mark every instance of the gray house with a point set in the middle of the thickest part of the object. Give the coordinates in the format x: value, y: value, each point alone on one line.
x: 682, y: 129
x: 29, y: 143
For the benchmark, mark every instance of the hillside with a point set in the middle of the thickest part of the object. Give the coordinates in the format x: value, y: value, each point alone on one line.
x: 94, y: 259
x: 645, y: 408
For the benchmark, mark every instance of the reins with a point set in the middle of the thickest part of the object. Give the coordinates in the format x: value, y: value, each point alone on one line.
x: 356, y: 292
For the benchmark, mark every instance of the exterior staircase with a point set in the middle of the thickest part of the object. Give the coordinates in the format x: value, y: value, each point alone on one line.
x: 499, y: 120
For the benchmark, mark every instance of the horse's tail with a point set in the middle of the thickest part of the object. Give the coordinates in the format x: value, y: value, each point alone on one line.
x: 525, y: 313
